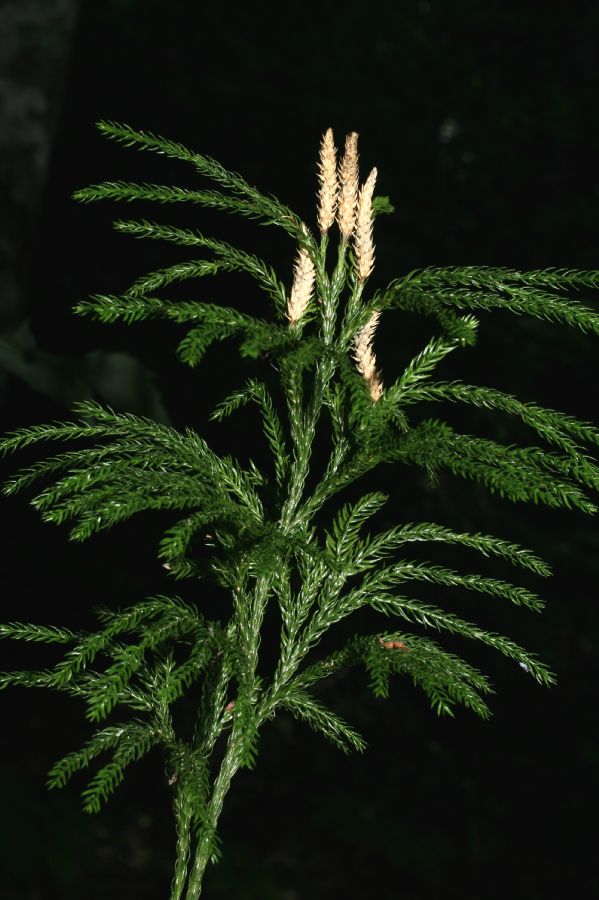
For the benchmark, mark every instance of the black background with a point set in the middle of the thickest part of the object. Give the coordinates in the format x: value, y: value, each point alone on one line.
x: 482, y: 121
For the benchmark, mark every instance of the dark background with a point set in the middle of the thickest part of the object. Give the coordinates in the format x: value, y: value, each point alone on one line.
x: 482, y: 121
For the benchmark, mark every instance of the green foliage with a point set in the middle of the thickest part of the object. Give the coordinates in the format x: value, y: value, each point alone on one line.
x: 323, y: 720
x: 149, y: 466
x: 534, y: 294
x: 265, y: 537
x: 46, y: 634
x: 245, y: 200
x: 137, y: 675
x: 347, y: 524
x: 273, y: 428
x: 373, y: 549
x: 445, y: 678
x: 234, y: 259
x: 132, y: 741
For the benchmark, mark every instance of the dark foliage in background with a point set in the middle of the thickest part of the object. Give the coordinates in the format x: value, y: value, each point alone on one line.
x: 479, y: 120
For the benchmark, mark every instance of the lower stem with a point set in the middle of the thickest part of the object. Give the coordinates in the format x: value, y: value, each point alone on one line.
x: 205, y: 845
x: 183, y: 817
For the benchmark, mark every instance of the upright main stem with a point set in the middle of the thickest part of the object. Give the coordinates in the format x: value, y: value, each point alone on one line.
x: 183, y: 815
x: 250, y: 626
x: 204, y: 848
x: 249, y: 631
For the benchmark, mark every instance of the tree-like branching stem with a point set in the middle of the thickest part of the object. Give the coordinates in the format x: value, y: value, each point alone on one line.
x: 158, y: 649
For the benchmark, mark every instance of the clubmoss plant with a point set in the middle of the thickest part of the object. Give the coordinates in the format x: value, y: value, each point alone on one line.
x: 264, y: 529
